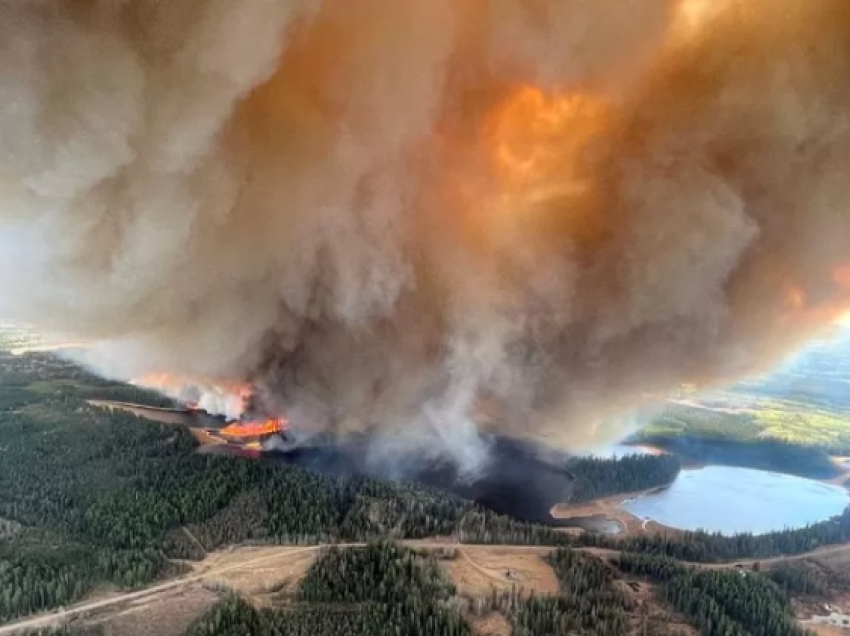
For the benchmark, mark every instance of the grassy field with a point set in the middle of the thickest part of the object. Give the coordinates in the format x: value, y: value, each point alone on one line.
x: 793, y: 423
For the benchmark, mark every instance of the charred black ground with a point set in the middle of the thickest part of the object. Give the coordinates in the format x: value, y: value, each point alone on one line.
x: 516, y: 478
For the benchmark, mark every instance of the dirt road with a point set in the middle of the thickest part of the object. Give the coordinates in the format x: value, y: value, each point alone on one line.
x: 47, y: 620
x: 57, y: 617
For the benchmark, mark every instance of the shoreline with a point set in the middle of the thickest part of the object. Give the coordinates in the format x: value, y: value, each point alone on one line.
x: 610, y: 509
x: 607, y: 510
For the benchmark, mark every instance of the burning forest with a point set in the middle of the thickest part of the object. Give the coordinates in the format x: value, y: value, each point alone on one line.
x: 403, y: 216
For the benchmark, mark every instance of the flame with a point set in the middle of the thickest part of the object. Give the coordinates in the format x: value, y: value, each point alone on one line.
x: 255, y: 429
x: 155, y: 381
x: 171, y: 381
x: 219, y: 396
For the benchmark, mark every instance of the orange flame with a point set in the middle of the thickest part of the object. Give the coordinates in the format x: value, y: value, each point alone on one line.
x: 255, y: 429
x: 182, y: 387
x: 175, y: 382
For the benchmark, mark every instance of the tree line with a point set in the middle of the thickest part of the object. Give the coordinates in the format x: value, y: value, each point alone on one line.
x: 597, y: 477
x: 387, y: 590
x: 380, y: 590
x: 708, y: 547
x: 111, y: 494
x: 717, y: 602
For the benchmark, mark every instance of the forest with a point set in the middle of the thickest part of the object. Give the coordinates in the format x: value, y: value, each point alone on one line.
x: 707, y: 547
x: 719, y: 602
x: 763, y: 454
x: 597, y: 477
x: 385, y: 590
x: 109, y: 493
x: 380, y: 590
x: 775, y: 435
x: 92, y: 497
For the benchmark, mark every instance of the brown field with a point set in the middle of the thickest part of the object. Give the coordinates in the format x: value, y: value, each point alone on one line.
x: 826, y: 630
x: 269, y: 574
x: 273, y: 576
x: 164, y: 416
x: 167, y: 614
x: 493, y: 624
x: 476, y: 572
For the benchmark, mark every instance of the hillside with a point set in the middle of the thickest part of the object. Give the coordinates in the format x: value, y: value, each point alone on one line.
x: 102, y: 509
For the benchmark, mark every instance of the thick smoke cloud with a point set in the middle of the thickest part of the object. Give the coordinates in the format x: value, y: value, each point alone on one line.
x: 415, y: 214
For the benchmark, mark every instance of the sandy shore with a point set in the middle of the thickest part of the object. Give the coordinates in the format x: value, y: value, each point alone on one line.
x: 610, y: 509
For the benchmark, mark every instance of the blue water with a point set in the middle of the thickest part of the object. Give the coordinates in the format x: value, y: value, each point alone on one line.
x: 729, y: 500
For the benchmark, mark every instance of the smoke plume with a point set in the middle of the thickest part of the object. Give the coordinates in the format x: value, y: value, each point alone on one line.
x: 413, y: 215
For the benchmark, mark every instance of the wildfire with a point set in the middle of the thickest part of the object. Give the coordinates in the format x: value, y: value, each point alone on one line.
x: 155, y: 381
x: 215, y: 395
x: 255, y: 429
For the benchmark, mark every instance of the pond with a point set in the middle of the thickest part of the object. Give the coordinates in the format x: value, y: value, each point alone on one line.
x: 729, y: 500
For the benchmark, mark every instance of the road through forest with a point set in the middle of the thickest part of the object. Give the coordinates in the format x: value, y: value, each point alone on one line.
x: 58, y: 616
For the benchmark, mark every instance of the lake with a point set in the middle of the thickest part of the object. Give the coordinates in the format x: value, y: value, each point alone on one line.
x: 730, y: 500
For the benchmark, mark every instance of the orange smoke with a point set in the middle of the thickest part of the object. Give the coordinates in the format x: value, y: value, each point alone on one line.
x: 377, y: 211
x: 173, y: 382
x: 832, y: 307
x: 219, y: 396
x: 841, y: 275
x: 692, y: 14
x: 538, y: 139
x: 796, y: 297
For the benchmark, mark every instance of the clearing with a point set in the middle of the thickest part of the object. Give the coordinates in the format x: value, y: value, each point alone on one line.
x: 477, y: 572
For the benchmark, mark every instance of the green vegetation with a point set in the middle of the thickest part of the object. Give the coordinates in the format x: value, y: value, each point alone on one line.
x: 33, y: 378
x: 596, y: 477
x: 384, y: 589
x: 588, y: 602
x: 799, y: 578
x: 717, y: 602
x: 764, y: 454
x: 771, y: 427
x: 91, y: 498
x: 380, y: 590
x: 707, y: 547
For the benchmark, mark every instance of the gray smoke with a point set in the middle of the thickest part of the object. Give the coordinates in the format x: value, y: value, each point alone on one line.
x: 527, y: 216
